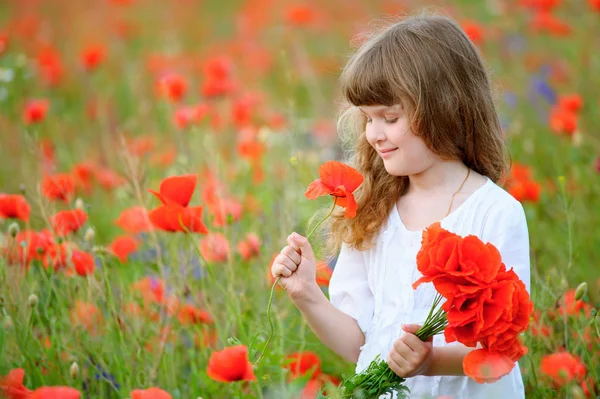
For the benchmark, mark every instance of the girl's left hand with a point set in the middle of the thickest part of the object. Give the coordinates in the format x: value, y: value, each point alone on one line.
x: 410, y: 356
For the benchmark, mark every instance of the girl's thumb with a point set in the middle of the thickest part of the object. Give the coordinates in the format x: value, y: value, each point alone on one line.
x: 302, y: 245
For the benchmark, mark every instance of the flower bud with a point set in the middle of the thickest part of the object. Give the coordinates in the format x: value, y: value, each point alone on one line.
x: 74, y: 370
x: 8, y: 322
x: 581, y: 291
x: 79, y: 204
x: 89, y: 235
x: 13, y: 229
x: 32, y: 301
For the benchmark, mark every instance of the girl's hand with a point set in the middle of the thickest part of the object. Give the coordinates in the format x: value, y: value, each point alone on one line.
x: 296, y: 266
x: 410, y: 356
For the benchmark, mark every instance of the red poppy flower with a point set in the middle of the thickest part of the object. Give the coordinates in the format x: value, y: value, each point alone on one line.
x: 225, y: 210
x: 83, y: 262
x: 35, y: 111
x: 302, y: 363
x: 175, y: 193
x: 563, y: 368
x: 215, y: 248
x: 339, y: 180
x: 109, y: 179
x: 67, y: 222
x: 474, y: 31
x: 86, y: 315
x: 50, y: 65
x: 300, y: 15
x: 14, y: 206
x: 55, y: 393
x: 186, y: 116
x: 123, y: 246
x: 172, y: 86
x: 151, y: 289
x: 36, y: 245
x: 134, y: 220
x: 250, y: 247
x: 570, y: 102
x: 11, y: 386
x: 150, y: 393
x: 56, y: 256
x: 189, y: 314
x: 92, y: 56
x: 231, y: 364
x: 58, y: 187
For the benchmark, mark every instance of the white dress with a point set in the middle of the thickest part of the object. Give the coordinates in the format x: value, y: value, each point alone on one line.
x: 374, y: 286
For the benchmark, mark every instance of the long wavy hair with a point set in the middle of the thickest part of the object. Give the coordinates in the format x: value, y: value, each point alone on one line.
x: 428, y: 64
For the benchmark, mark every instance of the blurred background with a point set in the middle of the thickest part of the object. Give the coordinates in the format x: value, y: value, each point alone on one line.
x: 102, y: 100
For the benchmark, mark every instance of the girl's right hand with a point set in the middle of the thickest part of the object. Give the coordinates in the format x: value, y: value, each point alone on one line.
x: 296, y: 265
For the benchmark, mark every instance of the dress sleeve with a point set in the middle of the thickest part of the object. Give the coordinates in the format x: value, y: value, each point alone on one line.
x: 349, y: 287
x: 506, y: 228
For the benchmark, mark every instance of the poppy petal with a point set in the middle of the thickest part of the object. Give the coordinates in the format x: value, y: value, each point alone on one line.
x: 335, y: 174
x: 317, y: 189
x: 484, y: 365
x: 178, y: 189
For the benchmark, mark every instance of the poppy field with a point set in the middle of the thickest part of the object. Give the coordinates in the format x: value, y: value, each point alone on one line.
x: 155, y: 155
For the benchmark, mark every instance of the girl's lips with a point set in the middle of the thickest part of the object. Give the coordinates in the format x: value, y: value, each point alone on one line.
x: 386, y: 153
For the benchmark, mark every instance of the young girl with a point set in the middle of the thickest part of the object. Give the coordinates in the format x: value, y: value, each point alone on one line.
x: 430, y: 148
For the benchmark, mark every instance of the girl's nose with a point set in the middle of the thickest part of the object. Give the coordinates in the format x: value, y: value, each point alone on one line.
x: 375, y: 132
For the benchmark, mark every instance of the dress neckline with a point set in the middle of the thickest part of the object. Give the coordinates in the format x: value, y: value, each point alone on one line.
x: 470, y: 199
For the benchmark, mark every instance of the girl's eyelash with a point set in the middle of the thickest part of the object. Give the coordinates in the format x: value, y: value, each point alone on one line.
x: 388, y: 121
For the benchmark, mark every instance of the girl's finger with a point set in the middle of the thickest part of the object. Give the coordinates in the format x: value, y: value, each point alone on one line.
x: 292, y: 254
x: 280, y: 270
x: 287, y: 262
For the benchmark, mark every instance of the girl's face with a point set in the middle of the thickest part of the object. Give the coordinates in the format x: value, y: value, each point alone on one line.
x: 388, y: 132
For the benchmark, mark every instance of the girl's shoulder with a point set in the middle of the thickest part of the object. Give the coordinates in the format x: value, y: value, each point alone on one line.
x: 495, y: 212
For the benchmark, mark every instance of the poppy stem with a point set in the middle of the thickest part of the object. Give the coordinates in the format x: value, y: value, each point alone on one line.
x: 270, y: 303
x: 322, y: 220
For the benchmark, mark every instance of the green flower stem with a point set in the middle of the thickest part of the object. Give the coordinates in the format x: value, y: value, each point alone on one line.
x: 270, y: 303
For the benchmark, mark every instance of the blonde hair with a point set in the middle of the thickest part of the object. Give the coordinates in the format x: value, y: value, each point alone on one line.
x: 428, y: 64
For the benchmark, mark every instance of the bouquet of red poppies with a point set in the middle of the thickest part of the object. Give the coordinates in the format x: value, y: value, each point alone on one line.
x: 485, y: 305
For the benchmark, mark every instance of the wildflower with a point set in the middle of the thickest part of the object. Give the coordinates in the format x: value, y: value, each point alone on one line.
x: 150, y: 393
x: 231, y: 364
x: 123, y: 246
x: 250, y: 247
x: 300, y: 363
x: 92, y: 56
x: 172, y: 86
x: 67, y: 222
x: 14, y: 206
x: 175, y: 193
x: 215, y: 248
x: 35, y: 111
x: 58, y: 187
x: 340, y: 181
x: 12, y: 385
x: 134, y: 220
x: 563, y: 368
x: 83, y: 262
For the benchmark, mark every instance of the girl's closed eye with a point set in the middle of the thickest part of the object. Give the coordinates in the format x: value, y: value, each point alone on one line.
x: 388, y: 121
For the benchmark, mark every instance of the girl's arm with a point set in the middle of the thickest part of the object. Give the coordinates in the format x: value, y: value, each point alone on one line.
x: 339, y: 324
x: 338, y: 331
x: 447, y: 360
